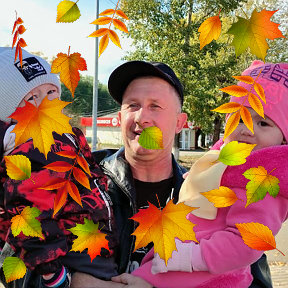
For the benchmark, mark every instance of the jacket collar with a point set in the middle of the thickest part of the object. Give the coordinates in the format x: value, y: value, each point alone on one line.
x: 119, y: 170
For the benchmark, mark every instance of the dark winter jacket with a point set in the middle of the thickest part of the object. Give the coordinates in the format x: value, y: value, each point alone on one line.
x: 46, y: 256
x: 123, y: 195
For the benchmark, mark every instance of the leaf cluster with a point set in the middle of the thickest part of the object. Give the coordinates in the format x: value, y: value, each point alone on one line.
x: 19, y: 30
x: 107, y: 33
x: 237, y: 109
x: 255, y: 235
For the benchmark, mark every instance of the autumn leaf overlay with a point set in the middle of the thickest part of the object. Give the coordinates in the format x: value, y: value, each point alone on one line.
x: 19, y: 30
x: 161, y: 228
x: 248, y: 33
x: 107, y: 33
x: 239, y: 110
x: 255, y: 235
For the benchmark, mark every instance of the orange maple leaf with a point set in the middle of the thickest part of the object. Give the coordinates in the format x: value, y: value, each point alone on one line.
x: 161, y: 227
x: 68, y: 66
x: 257, y: 236
x: 89, y: 237
x: 253, y: 33
x: 38, y: 123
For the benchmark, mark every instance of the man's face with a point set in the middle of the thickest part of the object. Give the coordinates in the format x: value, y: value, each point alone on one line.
x: 37, y: 95
x: 266, y: 132
x: 150, y: 101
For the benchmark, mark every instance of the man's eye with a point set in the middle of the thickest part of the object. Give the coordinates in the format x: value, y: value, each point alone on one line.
x: 132, y: 105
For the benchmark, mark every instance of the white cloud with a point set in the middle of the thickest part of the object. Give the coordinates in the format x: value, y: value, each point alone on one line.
x: 45, y: 35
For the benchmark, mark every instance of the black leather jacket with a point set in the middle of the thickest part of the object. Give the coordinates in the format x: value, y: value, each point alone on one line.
x: 123, y: 195
x: 122, y: 192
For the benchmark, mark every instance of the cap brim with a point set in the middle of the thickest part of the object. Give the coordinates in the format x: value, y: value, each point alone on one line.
x: 127, y: 72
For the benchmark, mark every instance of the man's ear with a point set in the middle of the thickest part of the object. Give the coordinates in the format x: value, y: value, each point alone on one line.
x: 181, y: 120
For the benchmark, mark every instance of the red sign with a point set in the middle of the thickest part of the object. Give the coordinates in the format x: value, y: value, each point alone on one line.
x: 101, y: 121
x: 115, y: 122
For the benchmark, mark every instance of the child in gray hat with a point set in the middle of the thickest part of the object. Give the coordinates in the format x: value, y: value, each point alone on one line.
x: 49, y: 257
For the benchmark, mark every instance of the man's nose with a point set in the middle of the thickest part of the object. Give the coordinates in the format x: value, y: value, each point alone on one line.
x: 142, y: 116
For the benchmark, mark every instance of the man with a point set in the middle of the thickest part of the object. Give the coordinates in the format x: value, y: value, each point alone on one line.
x: 150, y: 94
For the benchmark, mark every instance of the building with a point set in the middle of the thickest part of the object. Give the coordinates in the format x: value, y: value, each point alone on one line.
x: 109, y: 132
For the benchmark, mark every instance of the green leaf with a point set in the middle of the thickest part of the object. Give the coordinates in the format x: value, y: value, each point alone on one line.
x: 260, y: 183
x: 27, y: 223
x: 235, y: 153
x: 151, y: 138
x: 67, y: 11
x: 14, y: 268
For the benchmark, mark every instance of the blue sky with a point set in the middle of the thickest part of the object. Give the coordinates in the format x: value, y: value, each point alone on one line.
x: 45, y: 35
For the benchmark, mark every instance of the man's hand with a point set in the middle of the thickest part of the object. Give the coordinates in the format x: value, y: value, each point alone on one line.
x: 131, y: 281
x: 83, y: 280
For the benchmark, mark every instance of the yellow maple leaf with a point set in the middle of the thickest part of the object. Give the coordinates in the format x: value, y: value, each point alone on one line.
x: 260, y: 183
x: 253, y: 33
x: 67, y: 11
x: 38, y: 123
x: 235, y: 153
x: 89, y: 237
x: 161, y: 228
x: 222, y: 197
x: 27, y: 223
x: 13, y: 268
x: 257, y: 236
x: 210, y: 29
x: 18, y: 167
x: 68, y: 66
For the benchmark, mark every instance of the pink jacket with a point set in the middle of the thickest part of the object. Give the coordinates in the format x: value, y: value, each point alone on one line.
x: 226, y: 255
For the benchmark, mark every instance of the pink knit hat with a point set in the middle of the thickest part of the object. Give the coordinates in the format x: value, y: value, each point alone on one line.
x: 274, y: 80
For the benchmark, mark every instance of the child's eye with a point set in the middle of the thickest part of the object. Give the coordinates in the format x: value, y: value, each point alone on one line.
x: 263, y: 123
x: 51, y: 92
x: 32, y: 97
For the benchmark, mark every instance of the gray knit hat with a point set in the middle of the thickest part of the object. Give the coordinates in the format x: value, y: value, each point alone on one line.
x: 15, y: 82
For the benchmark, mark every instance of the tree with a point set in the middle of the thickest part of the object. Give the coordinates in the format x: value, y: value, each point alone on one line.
x: 167, y: 31
x: 83, y: 100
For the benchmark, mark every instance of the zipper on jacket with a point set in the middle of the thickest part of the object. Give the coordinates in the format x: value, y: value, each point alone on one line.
x: 107, y: 172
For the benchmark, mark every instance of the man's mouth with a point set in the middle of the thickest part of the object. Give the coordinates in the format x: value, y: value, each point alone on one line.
x: 137, y: 132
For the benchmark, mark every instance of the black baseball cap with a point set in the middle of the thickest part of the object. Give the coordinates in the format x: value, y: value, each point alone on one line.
x: 121, y: 77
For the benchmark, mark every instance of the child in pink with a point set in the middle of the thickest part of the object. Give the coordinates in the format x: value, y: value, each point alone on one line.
x: 221, y: 258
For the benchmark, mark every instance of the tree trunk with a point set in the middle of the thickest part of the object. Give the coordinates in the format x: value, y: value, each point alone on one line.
x: 203, y: 136
x: 217, y: 129
x: 197, y: 134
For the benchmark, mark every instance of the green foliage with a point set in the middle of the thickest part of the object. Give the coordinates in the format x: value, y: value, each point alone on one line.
x: 83, y: 101
x: 167, y: 31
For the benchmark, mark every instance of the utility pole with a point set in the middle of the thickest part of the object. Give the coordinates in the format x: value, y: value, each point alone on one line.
x: 95, y: 89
